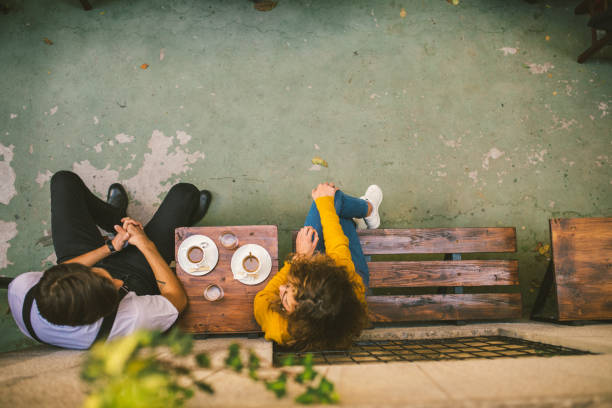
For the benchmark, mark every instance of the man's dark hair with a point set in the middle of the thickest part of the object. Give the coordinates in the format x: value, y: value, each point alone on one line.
x: 72, y: 294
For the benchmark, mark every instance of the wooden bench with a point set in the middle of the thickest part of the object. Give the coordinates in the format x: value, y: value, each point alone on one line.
x: 452, y: 272
x: 579, y: 272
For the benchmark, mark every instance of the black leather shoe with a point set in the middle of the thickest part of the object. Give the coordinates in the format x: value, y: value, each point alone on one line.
x: 117, y: 197
x: 205, y: 198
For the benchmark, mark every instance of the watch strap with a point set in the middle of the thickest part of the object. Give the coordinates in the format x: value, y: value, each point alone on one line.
x: 111, y: 247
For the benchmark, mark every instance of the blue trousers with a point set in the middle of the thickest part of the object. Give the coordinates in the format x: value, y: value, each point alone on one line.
x: 347, y: 208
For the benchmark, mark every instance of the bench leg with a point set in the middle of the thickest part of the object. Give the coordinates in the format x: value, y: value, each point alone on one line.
x: 597, y: 45
x: 545, y: 288
x: 86, y: 5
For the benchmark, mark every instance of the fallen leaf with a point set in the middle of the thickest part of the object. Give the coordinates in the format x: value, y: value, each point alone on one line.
x: 543, y: 249
x: 403, y: 13
x: 319, y: 161
x: 47, y: 41
x: 144, y: 66
x: 453, y: 2
x: 264, y: 5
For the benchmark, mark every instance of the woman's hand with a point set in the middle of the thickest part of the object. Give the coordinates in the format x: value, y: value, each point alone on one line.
x: 306, y: 241
x: 324, y: 190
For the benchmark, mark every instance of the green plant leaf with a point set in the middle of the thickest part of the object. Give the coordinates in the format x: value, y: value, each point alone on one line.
x: 278, y: 386
x: 307, y: 397
x: 253, y: 365
x: 179, y: 343
x: 325, y: 386
x: 204, y: 387
x: 306, y: 376
x: 202, y: 360
x: 307, y: 360
x: 309, y: 374
x: 233, y: 360
x: 322, y: 394
x: 288, y: 361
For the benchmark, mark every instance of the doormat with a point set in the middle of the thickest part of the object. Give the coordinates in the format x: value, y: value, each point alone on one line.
x: 462, y: 348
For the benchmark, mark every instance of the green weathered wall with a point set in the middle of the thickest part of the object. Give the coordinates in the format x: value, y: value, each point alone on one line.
x: 468, y: 115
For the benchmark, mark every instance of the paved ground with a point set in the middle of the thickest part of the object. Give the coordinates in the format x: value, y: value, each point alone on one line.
x: 44, y: 377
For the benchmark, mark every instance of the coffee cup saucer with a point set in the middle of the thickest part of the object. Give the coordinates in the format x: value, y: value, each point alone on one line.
x: 265, y: 264
x: 208, y: 262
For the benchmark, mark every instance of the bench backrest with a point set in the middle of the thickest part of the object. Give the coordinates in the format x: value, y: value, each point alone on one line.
x: 450, y: 273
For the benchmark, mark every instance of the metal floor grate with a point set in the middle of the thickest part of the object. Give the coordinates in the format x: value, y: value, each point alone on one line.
x: 373, y: 351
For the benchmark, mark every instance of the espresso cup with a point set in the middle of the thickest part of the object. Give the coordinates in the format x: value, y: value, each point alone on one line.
x: 213, y: 293
x: 195, y: 254
x: 251, y: 264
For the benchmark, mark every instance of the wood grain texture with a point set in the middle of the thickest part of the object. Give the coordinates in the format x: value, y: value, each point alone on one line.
x: 582, y: 257
x: 444, y: 307
x: 442, y: 273
x: 233, y: 313
x: 437, y: 240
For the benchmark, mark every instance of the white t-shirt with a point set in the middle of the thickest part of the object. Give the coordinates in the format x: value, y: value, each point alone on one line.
x: 152, y: 312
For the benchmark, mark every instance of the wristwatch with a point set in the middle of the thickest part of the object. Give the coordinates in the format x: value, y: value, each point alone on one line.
x: 111, y: 247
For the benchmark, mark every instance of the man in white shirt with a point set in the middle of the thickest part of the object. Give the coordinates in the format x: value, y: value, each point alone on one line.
x: 105, y: 289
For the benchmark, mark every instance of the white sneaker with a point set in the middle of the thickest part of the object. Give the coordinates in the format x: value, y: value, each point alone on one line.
x: 374, y: 196
x: 360, y: 223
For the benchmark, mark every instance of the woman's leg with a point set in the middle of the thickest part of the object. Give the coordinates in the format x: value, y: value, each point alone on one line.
x: 75, y: 214
x: 175, y: 211
x: 347, y: 208
x: 350, y: 207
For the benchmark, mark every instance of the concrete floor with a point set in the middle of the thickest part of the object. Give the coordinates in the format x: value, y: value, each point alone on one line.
x: 468, y: 115
x: 48, y: 377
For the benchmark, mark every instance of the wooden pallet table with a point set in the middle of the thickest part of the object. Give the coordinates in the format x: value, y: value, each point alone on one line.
x: 234, y: 312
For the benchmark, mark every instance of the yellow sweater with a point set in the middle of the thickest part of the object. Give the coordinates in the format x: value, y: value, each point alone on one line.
x: 273, y: 323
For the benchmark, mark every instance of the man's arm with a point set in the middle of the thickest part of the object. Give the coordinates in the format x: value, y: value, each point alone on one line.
x: 94, y: 256
x: 167, y: 282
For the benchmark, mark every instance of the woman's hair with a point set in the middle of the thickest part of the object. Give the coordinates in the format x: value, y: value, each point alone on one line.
x: 72, y: 294
x: 328, y: 314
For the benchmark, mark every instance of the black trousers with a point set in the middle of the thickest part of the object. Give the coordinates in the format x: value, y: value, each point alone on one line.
x: 76, y: 212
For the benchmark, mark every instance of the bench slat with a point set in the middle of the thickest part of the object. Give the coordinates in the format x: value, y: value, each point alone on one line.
x: 442, y: 273
x: 444, y: 307
x: 438, y: 240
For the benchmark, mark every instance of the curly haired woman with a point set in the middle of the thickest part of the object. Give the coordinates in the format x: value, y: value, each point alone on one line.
x: 317, y: 300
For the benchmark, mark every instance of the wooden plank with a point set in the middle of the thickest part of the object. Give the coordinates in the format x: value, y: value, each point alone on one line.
x: 582, y: 257
x: 233, y: 313
x: 444, y: 307
x: 442, y: 273
x: 437, y: 240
